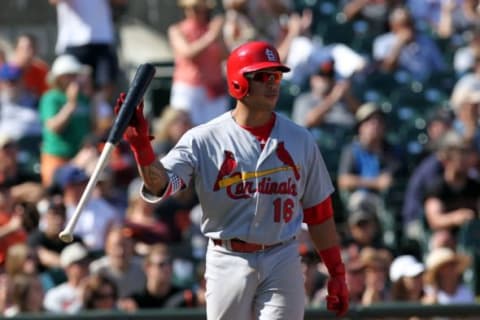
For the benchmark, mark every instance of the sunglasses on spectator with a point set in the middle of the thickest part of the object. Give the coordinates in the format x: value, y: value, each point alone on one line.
x: 265, y: 76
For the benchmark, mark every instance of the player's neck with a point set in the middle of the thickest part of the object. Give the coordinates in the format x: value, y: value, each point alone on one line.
x: 247, y: 118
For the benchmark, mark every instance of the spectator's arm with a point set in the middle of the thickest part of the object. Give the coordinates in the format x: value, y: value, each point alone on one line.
x: 189, y: 50
x: 315, y: 116
x: 14, y: 224
x: 48, y: 258
x: 353, y: 8
x: 58, y: 122
x: 445, y: 23
x: 389, y: 62
x: 437, y: 218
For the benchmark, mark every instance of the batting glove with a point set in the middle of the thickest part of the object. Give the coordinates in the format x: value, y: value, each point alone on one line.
x: 137, y: 134
x: 337, y: 298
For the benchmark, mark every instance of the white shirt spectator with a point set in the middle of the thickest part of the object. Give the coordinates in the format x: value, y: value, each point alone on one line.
x: 63, y: 299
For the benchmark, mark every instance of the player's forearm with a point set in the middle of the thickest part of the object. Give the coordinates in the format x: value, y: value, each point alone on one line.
x: 154, y: 177
x: 318, y: 231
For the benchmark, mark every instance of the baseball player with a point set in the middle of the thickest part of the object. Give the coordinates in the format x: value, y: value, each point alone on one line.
x: 258, y: 176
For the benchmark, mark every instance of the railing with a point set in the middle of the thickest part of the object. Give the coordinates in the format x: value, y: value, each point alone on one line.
x: 396, y: 311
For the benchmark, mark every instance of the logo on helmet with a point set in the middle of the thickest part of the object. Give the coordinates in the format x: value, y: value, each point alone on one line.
x: 270, y: 55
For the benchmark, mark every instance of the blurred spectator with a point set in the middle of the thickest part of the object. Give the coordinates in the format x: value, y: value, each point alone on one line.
x: 456, y: 17
x: 427, y: 170
x: 18, y: 114
x: 466, y: 84
x: 97, y: 218
x: 140, y: 221
x: 328, y: 101
x: 199, y: 50
x: 355, y: 275
x: 120, y: 263
x: 464, y: 57
x: 315, y: 278
x: 24, y: 186
x: 374, y: 13
x: 21, y: 259
x: 12, y: 229
x: 159, y: 291
x: 66, y: 116
x: 85, y: 30
x: 407, y: 283
x: 404, y: 48
x: 67, y: 297
x: 237, y: 28
x: 47, y: 244
x: 452, y: 199
x: 363, y: 226
x: 270, y: 18
x: 377, y: 263
x: 99, y: 292
x: 467, y: 113
x: 34, y: 69
x: 169, y: 128
x: 443, y: 277
x: 27, y: 295
x: 369, y: 163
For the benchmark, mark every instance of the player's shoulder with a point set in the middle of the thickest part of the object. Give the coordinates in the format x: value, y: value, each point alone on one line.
x: 214, y: 127
x: 292, y: 127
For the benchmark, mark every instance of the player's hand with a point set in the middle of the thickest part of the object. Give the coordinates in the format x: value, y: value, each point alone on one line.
x: 137, y: 131
x: 337, y: 298
x: 137, y: 134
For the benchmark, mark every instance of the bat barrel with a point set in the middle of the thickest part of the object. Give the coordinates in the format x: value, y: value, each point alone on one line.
x: 139, y: 85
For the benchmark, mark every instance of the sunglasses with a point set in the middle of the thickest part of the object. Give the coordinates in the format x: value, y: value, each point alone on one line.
x: 265, y: 76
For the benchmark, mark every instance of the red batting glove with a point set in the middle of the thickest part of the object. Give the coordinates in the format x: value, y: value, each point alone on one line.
x: 137, y: 134
x: 337, y: 298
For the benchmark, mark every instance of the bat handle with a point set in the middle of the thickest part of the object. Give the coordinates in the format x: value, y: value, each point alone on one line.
x: 67, y: 234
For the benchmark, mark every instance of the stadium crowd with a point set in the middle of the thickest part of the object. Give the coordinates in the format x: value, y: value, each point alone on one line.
x: 389, y: 88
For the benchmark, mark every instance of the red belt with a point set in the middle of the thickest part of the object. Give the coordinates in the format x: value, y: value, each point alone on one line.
x: 242, y: 246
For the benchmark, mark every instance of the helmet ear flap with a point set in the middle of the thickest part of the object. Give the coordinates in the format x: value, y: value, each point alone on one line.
x: 239, y: 87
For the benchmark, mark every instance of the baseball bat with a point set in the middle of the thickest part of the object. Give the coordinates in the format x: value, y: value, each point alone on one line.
x: 135, y: 93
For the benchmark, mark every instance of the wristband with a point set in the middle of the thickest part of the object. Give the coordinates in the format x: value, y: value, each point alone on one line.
x: 143, y: 152
x: 332, y: 259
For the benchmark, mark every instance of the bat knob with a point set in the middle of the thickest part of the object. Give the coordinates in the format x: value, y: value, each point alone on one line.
x: 66, y: 236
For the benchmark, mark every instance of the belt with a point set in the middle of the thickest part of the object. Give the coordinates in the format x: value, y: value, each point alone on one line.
x: 245, y: 247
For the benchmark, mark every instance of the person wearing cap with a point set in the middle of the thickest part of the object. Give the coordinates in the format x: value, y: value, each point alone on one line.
x: 66, y: 115
x: 407, y: 284
x: 452, y: 199
x: 198, y: 85
x: 467, y: 111
x: 97, y: 217
x: 444, y: 270
x: 67, y: 296
x: 329, y: 100
x: 370, y: 164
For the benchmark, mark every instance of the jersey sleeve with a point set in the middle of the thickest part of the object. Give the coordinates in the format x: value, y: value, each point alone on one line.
x: 318, y: 185
x: 319, y: 213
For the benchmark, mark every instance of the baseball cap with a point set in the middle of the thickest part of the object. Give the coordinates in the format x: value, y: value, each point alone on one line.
x: 69, y: 174
x: 367, y: 110
x: 66, y: 64
x: 405, y: 266
x: 73, y: 253
x: 359, y: 215
x: 10, y: 72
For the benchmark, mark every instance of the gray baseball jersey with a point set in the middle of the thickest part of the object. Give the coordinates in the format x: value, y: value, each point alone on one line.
x: 246, y: 192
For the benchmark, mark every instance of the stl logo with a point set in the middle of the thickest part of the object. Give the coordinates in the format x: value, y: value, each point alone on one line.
x: 270, y: 55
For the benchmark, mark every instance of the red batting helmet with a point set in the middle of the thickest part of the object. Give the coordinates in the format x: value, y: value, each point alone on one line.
x: 249, y: 57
